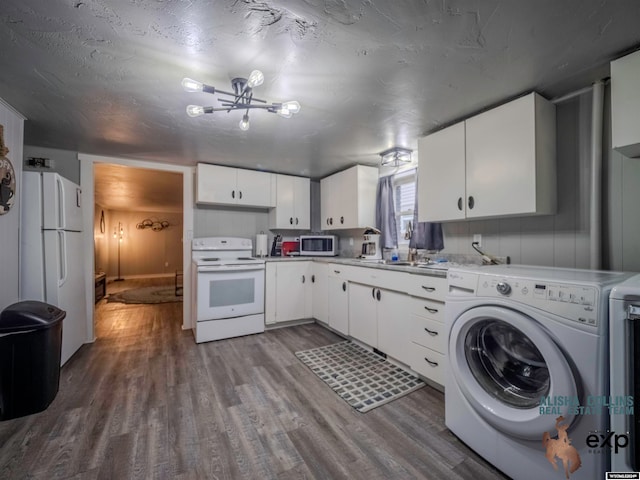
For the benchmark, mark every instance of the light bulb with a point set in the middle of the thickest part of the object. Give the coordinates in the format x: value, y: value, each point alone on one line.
x: 195, y: 110
x: 244, y: 123
x: 191, y: 85
x: 287, y: 109
x: 292, y: 106
x: 255, y: 78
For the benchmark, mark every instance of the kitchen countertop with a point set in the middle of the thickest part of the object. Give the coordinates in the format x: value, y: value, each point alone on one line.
x: 401, y: 266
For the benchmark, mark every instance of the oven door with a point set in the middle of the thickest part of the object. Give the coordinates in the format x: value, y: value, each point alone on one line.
x: 229, y: 291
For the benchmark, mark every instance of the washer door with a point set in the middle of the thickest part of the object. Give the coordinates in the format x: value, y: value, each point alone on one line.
x: 504, y: 363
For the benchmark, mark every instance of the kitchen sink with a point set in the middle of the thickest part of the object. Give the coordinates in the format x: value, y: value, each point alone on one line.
x: 399, y: 263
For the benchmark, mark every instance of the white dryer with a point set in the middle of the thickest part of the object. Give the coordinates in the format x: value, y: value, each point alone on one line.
x: 526, y: 346
x: 624, y: 323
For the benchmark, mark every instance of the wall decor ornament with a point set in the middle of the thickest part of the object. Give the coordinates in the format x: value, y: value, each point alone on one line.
x: 154, y: 224
x: 7, y: 178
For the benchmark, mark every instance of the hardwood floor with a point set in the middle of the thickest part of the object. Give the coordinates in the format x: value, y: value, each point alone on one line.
x: 144, y: 401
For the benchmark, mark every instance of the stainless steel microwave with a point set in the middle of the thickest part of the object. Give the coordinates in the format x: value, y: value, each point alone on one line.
x: 318, y: 245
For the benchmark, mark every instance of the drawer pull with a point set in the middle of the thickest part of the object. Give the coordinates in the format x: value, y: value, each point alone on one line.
x: 433, y: 364
x: 433, y: 333
x: 336, y: 271
x: 431, y: 310
x: 429, y: 289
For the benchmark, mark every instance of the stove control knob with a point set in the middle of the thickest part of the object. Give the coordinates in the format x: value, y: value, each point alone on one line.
x: 503, y: 288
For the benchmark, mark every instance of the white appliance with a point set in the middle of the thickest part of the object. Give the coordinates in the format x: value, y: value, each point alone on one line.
x: 50, y: 251
x: 318, y: 245
x: 624, y: 328
x: 371, y: 247
x: 228, y: 293
x: 527, y: 345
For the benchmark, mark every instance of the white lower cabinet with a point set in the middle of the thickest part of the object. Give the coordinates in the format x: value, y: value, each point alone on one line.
x: 400, y: 314
x: 320, y: 292
x: 394, y: 335
x: 428, y: 363
x: 288, y: 291
x: 363, y: 314
x: 428, y: 345
x: 338, y: 290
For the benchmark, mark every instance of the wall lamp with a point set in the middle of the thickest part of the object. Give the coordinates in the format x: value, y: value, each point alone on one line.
x: 240, y: 99
x: 396, y: 156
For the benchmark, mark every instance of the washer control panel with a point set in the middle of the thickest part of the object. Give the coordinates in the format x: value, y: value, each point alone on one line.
x: 578, y: 303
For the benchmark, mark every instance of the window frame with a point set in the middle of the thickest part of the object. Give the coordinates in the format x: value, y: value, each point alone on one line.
x: 399, y: 179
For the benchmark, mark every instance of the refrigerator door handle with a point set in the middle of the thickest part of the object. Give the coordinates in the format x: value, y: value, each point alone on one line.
x: 60, y: 202
x: 62, y: 258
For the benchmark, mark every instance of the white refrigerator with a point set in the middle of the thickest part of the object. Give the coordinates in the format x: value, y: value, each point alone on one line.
x: 51, y: 258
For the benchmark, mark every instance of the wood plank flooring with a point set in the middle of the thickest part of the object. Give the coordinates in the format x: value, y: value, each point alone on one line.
x: 145, y: 402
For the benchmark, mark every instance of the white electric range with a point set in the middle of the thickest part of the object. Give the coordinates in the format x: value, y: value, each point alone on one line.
x: 228, y: 297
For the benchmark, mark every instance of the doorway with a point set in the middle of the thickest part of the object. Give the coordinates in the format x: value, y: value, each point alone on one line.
x: 143, y: 216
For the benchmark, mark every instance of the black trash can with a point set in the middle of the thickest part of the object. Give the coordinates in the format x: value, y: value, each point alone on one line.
x: 30, y: 348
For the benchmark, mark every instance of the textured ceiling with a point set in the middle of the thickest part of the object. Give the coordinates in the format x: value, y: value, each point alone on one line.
x: 126, y: 188
x: 103, y: 76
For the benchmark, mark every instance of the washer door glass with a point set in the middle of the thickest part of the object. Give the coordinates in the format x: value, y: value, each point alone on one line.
x: 506, y: 363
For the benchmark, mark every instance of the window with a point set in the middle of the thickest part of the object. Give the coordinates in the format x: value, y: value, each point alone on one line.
x: 404, y: 193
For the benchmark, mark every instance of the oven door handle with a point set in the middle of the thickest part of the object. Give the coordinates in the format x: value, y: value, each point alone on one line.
x: 229, y: 268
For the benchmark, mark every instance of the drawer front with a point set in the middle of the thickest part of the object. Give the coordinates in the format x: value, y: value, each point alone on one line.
x: 425, y: 286
x: 380, y: 278
x: 428, y: 363
x: 428, y: 308
x: 428, y: 333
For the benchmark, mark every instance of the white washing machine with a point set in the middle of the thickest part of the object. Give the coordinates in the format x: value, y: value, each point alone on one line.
x: 526, y: 346
x: 624, y: 324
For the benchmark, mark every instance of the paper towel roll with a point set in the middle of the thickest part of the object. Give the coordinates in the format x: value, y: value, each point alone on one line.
x: 261, y: 245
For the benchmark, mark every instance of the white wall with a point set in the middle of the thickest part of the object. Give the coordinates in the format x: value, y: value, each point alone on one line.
x: 143, y: 252
x: 13, y: 124
x: 63, y: 162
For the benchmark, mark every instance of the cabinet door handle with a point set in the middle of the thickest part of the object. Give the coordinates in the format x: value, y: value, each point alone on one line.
x: 336, y: 271
x: 296, y: 220
x: 431, y: 310
x: 472, y: 202
x: 460, y: 203
x: 378, y: 295
x: 433, y: 364
x: 342, y: 220
x: 429, y: 289
x: 290, y: 220
x: 233, y: 194
x: 433, y: 333
x: 303, y: 279
x: 327, y: 220
x: 313, y: 279
x: 331, y: 221
x: 240, y: 192
x: 344, y: 286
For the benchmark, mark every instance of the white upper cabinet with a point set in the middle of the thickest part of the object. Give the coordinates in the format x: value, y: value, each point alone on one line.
x: 625, y: 104
x: 496, y: 164
x: 348, y: 198
x: 293, y: 203
x: 220, y: 185
x: 441, y: 175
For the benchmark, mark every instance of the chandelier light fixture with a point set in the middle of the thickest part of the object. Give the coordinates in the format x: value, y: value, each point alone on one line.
x: 240, y: 99
x: 395, y: 157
